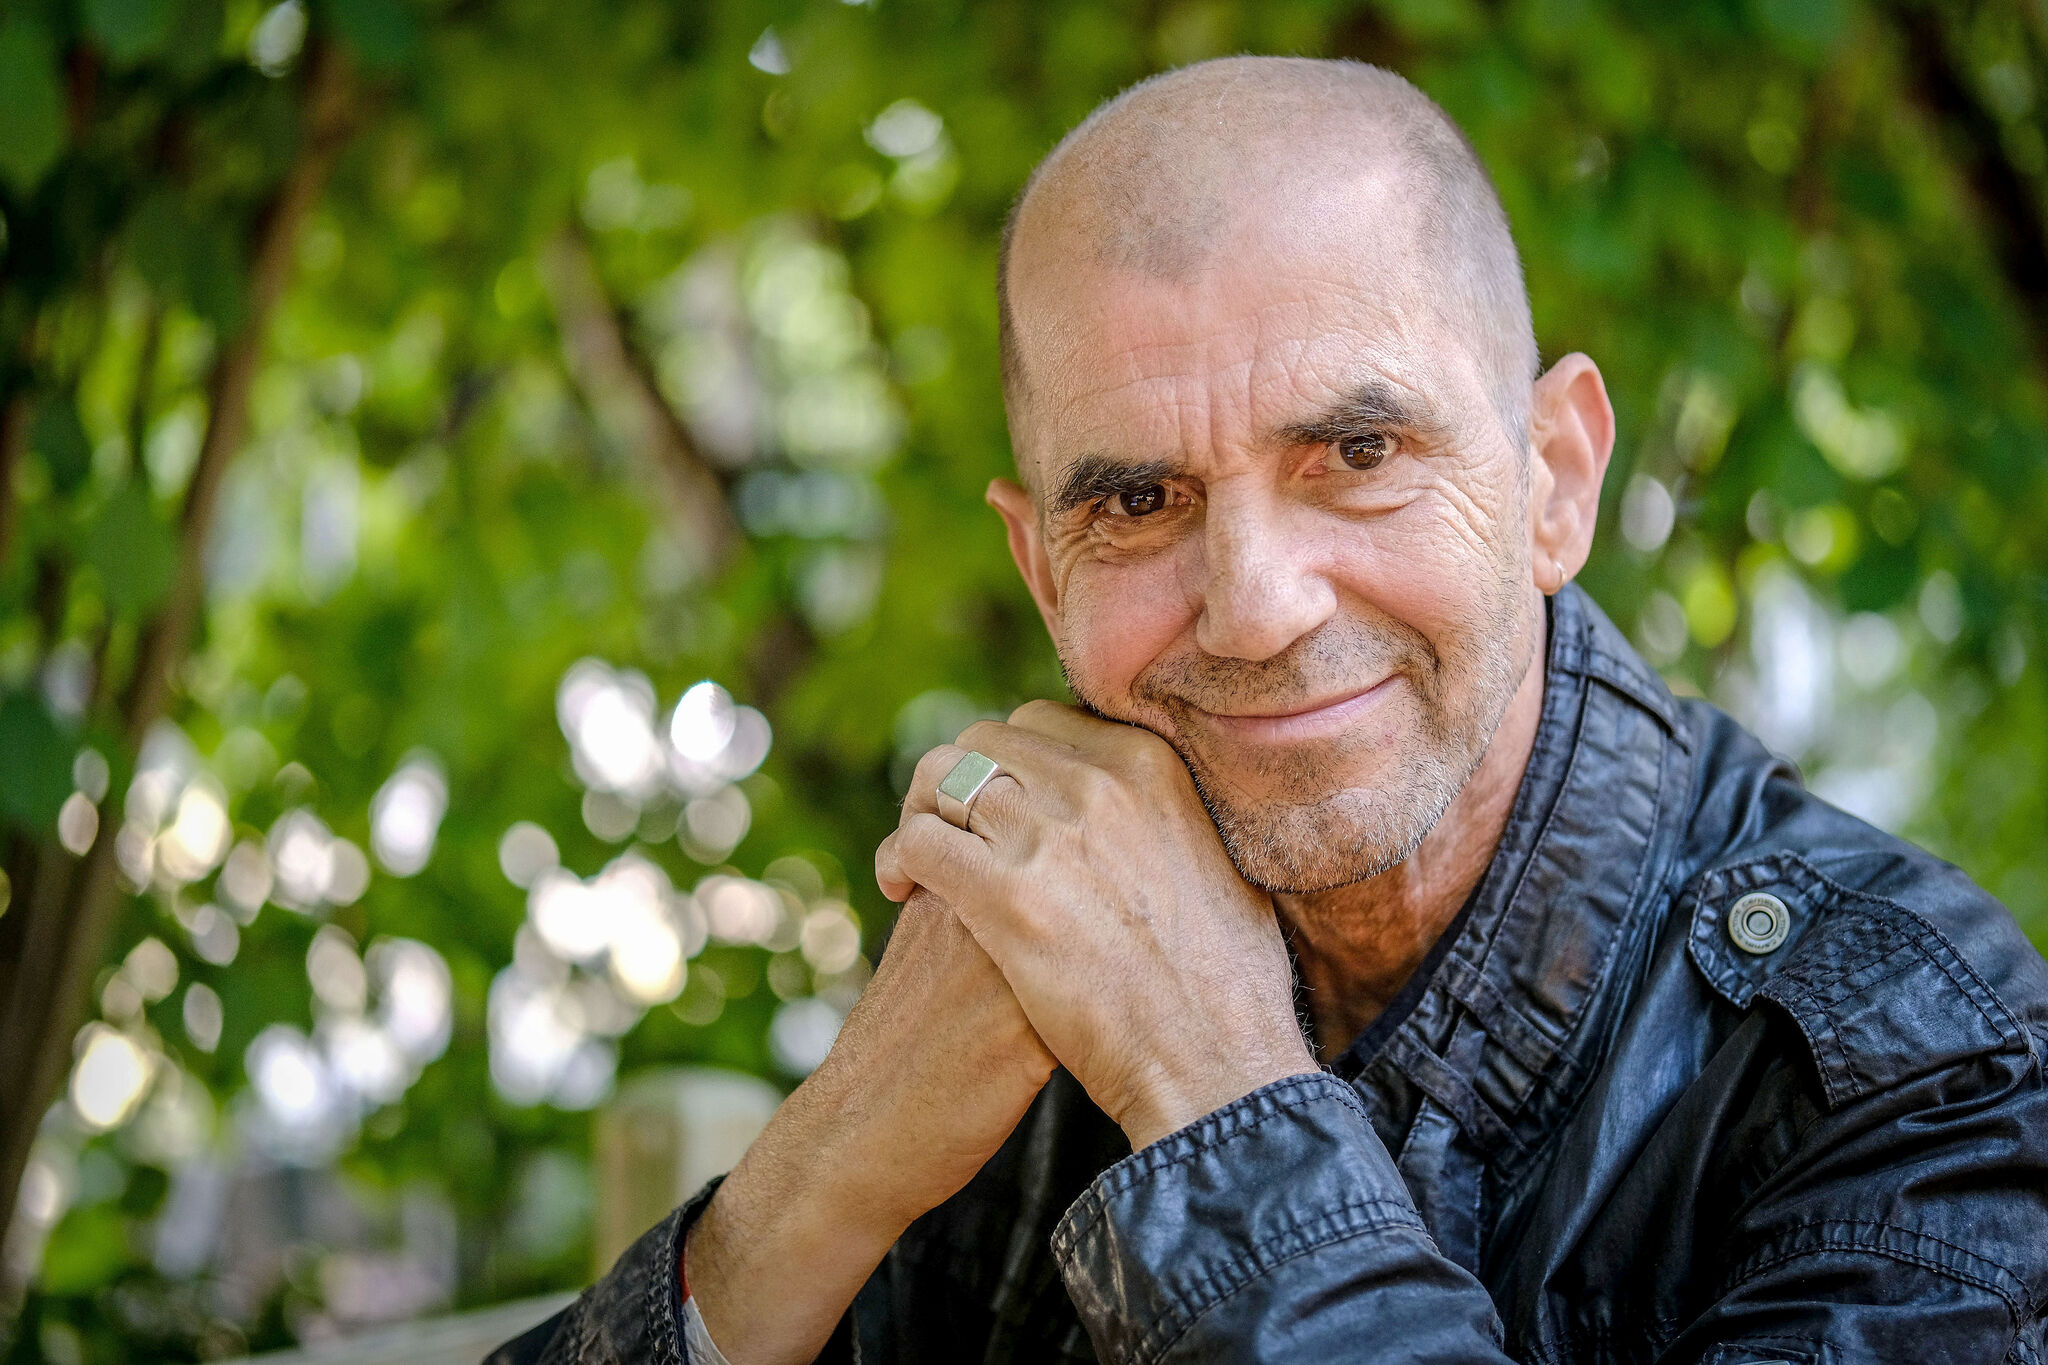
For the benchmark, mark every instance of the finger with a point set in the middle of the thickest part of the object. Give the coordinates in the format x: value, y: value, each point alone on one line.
x: 1018, y: 752
x: 1026, y: 751
x: 1071, y: 726
x: 889, y: 874
x: 951, y: 863
x: 1003, y: 790
x: 922, y: 797
x: 1111, y: 743
x: 896, y: 883
x: 1003, y: 797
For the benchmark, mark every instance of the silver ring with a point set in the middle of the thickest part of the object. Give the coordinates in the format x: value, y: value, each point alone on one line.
x: 968, y: 779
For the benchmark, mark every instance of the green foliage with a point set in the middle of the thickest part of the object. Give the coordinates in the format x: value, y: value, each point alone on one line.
x: 130, y: 30
x: 132, y: 550
x: 382, y: 32
x: 39, y: 761
x: 59, y: 437
x: 181, y: 254
x: 1796, y: 235
x: 32, y: 115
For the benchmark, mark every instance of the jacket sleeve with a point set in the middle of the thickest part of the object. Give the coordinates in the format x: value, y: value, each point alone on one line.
x: 1275, y: 1228
x: 633, y: 1316
x: 1908, y: 1226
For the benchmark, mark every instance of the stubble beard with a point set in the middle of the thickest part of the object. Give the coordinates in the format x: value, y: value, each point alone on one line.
x: 1336, y: 838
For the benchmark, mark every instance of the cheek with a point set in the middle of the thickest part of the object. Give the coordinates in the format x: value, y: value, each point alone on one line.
x: 1117, y: 618
x: 1445, y: 565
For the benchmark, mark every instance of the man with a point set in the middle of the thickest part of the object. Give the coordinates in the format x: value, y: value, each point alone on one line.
x: 1612, y: 1043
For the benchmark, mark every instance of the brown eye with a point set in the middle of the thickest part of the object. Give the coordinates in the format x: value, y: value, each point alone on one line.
x: 1139, y: 502
x: 1362, y: 452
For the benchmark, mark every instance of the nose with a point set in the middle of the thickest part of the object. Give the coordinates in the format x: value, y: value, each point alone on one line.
x: 1262, y: 590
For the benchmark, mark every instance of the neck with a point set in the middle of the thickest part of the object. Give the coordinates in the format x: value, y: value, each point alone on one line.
x: 1358, y: 945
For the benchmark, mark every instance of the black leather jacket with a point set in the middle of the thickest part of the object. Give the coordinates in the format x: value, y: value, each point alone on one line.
x: 1607, y: 1121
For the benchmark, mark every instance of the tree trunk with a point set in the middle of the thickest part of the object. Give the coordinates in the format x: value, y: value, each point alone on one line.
x: 74, y: 902
x: 2009, y: 203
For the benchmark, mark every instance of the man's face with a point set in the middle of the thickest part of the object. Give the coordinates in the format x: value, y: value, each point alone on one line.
x: 1283, y: 528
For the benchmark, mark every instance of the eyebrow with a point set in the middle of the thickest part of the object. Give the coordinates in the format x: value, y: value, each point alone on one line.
x: 1090, y: 478
x: 1374, y: 405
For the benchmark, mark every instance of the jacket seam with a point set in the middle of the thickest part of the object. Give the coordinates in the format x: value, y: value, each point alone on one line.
x: 1252, y: 1264
x: 1936, y: 947
x: 1862, y: 1083
x: 2019, y: 1308
x: 666, y: 1291
x: 1274, y: 1104
x: 1626, y: 677
x: 1569, y: 1078
x: 1488, y: 949
x: 1454, y: 1092
x: 1663, y: 1328
x: 1118, y: 1179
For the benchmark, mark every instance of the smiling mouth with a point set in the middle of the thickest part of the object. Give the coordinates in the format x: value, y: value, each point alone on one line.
x: 1314, y: 721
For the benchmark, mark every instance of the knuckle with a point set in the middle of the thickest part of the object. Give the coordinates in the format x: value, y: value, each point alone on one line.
x: 910, y: 847
x: 1099, y: 790
x: 933, y: 767
x: 920, y: 835
x: 925, y: 847
x: 979, y: 733
x: 1155, y: 758
x: 1033, y: 709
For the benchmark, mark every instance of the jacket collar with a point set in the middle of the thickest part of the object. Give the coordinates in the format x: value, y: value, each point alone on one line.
x: 1508, y: 1025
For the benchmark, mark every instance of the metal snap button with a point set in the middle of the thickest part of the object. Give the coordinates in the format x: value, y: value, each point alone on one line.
x: 1759, y: 923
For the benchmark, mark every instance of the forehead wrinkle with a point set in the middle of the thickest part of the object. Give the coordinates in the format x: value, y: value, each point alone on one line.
x: 1271, y: 359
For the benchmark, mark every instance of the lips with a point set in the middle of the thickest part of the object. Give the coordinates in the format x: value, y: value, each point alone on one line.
x: 1315, y: 721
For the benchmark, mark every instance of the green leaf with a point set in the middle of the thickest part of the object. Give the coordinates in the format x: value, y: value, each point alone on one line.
x: 38, y: 761
x: 59, y: 437
x: 130, y: 29
x: 188, y: 258
x: 1805, y: 28
x: 381, y: 31
x: 86, y: 1251
x: 195, y: 37
x: 32, y: 112
x: 135, y: 552
x: 215, y: 281
x: 156, y: 243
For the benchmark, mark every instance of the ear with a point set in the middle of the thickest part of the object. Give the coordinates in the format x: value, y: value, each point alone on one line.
x: 1571, y: 436
x: 1027, y: 546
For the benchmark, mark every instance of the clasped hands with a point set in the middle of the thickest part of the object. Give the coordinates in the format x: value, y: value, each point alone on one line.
x: 1097, y: 886
x: 1089, y: 918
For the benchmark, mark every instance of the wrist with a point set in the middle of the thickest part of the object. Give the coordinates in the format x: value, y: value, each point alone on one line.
x: 789, y: 1238
x: 1168, y: 1102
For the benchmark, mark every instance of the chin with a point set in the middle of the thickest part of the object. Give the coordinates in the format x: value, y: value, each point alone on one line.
x: 1297, y: 847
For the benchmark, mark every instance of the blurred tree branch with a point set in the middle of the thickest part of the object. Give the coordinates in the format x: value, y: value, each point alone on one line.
x: 14, y: 418
x: 620, y: 386
x: 2011, y: 204
x: 72, y: 905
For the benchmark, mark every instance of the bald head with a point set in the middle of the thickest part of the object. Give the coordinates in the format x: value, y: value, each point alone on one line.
x: 1161, y: 180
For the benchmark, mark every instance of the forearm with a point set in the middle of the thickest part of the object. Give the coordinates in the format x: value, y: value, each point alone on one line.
x: 790, y: 1237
